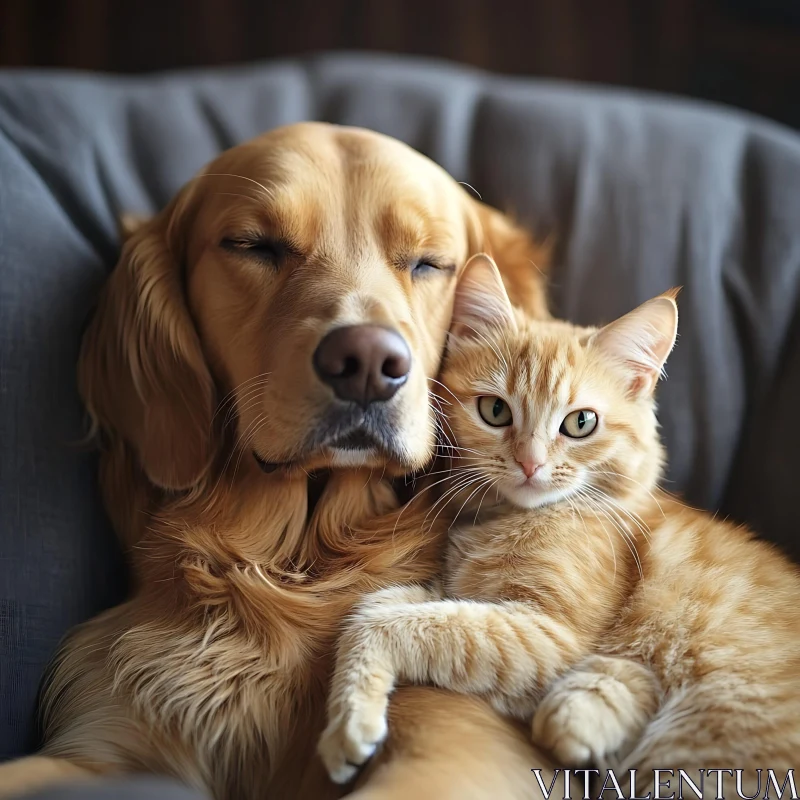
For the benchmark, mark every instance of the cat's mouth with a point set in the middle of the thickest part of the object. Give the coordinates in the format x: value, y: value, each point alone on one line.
x: 534, y: 492
x: 535, y: 481
x: 540, y: 481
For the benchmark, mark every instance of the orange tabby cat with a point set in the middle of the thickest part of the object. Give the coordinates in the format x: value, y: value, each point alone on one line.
x: 635, y: 632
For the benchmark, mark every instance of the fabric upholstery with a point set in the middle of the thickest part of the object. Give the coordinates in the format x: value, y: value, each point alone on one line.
x: 133, y: 788
x: 641, y: 193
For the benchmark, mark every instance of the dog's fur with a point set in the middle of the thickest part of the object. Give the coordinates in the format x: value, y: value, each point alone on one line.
x: 199, y: 356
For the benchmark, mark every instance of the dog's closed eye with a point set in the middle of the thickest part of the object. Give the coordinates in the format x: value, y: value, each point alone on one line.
x: 426, y: 264
x: 261, y: 248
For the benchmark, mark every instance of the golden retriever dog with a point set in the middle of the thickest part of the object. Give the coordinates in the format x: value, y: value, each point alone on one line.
x: 258, y: 374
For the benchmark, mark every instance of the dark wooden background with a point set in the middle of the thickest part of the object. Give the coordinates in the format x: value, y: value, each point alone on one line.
x: 743, y: 52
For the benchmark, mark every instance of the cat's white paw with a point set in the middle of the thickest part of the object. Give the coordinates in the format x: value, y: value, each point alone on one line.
x: 353, y: 736
x: 584, y: 724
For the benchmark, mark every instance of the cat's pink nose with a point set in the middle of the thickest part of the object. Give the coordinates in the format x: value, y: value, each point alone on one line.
x: 530, y: 467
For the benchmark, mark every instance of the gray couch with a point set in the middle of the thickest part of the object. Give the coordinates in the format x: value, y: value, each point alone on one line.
x: 641, y: 192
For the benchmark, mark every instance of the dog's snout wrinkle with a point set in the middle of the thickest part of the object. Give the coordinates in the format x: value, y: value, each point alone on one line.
x: 363, y: 364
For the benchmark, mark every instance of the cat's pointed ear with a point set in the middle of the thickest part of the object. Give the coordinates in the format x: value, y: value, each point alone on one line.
x: 641, y: 341
x: 481, y: 300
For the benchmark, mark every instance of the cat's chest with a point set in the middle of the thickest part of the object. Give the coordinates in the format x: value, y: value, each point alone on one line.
x: 484, y: 563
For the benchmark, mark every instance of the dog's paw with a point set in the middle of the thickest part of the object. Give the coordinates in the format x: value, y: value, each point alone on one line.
x: 584, y: 724
x: 353, y: 736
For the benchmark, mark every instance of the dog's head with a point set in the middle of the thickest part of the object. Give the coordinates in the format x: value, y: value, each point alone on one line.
x: 300, y: 288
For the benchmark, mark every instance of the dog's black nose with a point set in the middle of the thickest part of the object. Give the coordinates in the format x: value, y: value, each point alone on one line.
x: 363, y: 363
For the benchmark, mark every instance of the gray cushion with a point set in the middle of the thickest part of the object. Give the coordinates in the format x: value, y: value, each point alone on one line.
x: 132, y: 788
x: 642, y: 193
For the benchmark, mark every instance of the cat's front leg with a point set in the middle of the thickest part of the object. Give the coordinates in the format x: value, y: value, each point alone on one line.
x: 596, y: 711
x: 363, y: 679
x: 504, y: 651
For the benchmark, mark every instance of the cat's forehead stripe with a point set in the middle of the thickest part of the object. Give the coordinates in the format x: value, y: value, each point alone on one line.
x: 522, y: 370
x: 557, y: 376
x: 573, y: 391
x: 546, y: 365
x: 556, y: 360
x: 571, y: 356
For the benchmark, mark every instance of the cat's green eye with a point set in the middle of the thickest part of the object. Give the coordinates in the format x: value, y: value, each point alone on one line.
x: 494, y: 411
x: 579, y: 424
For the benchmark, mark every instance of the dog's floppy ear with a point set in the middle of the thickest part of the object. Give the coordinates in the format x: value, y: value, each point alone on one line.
x: 142, y: 374
x: 522, y: 262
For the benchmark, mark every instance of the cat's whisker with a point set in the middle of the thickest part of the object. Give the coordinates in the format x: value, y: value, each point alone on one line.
x: 631, y: 545
x: 598, y: 507
x: 444, y: 386
x: 641, y: 525
x: 466, y: 461
x: 464, y: 488
x: 447, y: 389
x: 438, y: 406
x: 444, y: 500
x: 474, y: 454
x: 462, y: 449
x: 472, y: 474
x: 440, y: 420
x: 594, y: 511
x: 464, y: 504
x: 448, y: 442
x: 461, y: 484
x: 452, y: 471
x: 438, y: 398
x: 449, y: 474
x: 483, y: 497
x: 619, y: 524
x: 439, y: 413
x: 632, y: 480
x: 577, y: 511
x: 457, y: 463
